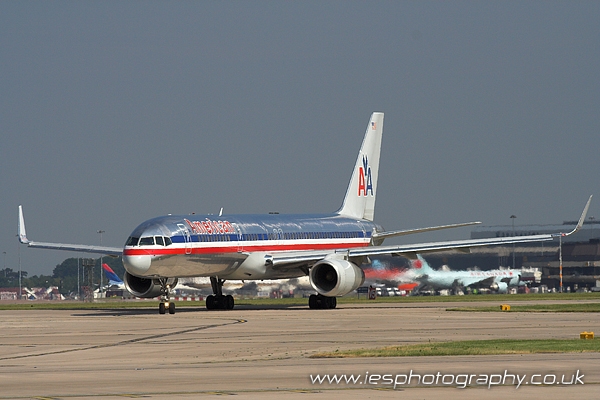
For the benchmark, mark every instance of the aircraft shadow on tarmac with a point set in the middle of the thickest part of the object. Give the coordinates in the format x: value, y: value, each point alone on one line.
x: 101, y: 312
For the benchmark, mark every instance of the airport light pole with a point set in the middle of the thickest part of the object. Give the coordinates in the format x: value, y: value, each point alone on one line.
x: 20, y: 290
x: 4, y: 263
x: 100, y: 291
x: 512, y: 217
x: 78, y: 285
x: 560, y: 263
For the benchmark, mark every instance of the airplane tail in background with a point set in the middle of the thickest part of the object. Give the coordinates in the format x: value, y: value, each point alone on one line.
x: 360, y: 196
x: 421, y: 266
x: 113, y: 279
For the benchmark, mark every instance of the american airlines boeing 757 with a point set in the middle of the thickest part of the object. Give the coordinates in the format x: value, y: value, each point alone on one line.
x: 329, y: 248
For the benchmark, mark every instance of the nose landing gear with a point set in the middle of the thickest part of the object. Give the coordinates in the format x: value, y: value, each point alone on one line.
x: 165, y: 297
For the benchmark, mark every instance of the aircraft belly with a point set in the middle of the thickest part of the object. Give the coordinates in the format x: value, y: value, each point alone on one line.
x: 268, y: 274
x: 258, y: 265
x: 190, y: 265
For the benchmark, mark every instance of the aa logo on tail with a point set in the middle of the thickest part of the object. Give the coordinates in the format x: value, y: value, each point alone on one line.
x: 365, y: 182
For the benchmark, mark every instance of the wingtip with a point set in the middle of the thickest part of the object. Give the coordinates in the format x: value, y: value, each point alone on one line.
x: 584, y: 213
x: 22, y: 233
x: 582, y: 218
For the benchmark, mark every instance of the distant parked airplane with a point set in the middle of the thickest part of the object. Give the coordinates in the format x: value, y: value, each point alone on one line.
x: 499, y: 280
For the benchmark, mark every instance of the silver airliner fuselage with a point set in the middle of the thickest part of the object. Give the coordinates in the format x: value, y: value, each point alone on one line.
x: 186, y: 246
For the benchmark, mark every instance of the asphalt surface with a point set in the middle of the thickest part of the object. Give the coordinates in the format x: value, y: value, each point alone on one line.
x: 264, y: 353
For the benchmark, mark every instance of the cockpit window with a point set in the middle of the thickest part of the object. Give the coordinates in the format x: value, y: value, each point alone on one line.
x: 147, y: 241
x: 132, y: 241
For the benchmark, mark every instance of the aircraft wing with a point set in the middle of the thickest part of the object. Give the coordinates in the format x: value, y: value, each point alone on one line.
x: 410, y: 250
x: 290, y: 259
x: 383, y: 235
x: 479, y: 283
x: 111, y: 251
x: 293, y: 259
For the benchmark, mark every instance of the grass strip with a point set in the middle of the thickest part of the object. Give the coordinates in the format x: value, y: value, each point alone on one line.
x: 472, y: 347
x: 568, y: 307
x: 289, y: 302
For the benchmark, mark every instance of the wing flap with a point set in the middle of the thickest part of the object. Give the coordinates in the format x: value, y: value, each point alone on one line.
x: 439, y: 246
x: 285, y: 259
x: 384, y: 235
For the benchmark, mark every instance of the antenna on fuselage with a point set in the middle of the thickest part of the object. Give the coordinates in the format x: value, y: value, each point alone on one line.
x: 221, y: 212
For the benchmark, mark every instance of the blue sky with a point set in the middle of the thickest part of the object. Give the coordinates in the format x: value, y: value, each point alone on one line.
x: 116, y: 112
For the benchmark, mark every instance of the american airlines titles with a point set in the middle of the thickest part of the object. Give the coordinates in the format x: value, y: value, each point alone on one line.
x: 209, y: 227
x: 491, y: 273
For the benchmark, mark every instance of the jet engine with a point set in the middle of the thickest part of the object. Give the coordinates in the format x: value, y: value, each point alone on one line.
x: 145, y: 287
x: 333, y: 277
x: 499, y: 287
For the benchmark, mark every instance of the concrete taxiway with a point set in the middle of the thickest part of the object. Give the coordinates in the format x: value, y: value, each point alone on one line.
x: 251, y: 353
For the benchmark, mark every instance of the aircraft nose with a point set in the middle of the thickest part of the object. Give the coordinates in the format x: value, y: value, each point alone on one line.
x: 137, y: 265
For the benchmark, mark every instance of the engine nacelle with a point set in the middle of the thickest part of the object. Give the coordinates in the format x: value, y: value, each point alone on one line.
x: 499, y: 287
x: 332, y: 277
x: 144, y: 287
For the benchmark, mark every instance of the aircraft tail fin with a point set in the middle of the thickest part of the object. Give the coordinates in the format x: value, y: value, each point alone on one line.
x: 421, y: 266
x: 360, y: 196
x: 112, y: 277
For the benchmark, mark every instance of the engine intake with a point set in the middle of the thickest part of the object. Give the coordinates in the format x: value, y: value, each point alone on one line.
x: 332, y: 277
x: 144, y: 287
x: 499, y: 287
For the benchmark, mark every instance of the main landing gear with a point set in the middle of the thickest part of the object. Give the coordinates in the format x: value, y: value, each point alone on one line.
x: 165, y: 297
x: 218, y: 301
x: 321, y: 302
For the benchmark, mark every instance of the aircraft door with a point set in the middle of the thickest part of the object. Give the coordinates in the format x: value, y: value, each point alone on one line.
x: 363, y: 228
x: 278, y: 235
x: 240, y: 246
x: 187, y: 238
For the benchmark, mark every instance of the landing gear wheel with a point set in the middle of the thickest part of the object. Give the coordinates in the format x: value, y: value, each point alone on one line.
x: 229, y: 302
x: 312, y: 302
x: 218, y: 301
x: 165, y: 295
x: 321, y: 302
x: 332, y: 302
x: 210, y: 302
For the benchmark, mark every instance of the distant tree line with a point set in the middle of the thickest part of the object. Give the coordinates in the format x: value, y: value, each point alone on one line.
x: 64, y: 275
